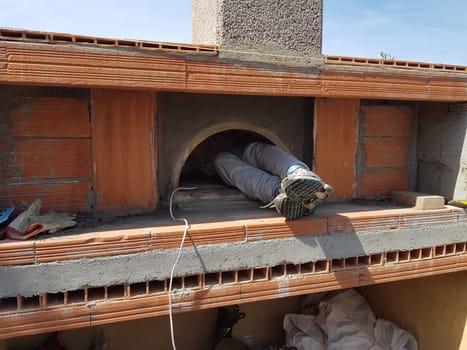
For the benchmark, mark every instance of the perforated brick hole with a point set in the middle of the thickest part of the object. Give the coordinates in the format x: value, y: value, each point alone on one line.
x: 392, y: 257
x: 229, y: 277
x: 321, y: 266
x: 53, y: 299
x: 306, y: 268
x: 278, y: 271
x: 75, y: 297
x: 157, y: 286
x: 244, y: 275
x: 192, y: 281
x: 211, y: 279
x: 138, y: 289
x: 114, y: 292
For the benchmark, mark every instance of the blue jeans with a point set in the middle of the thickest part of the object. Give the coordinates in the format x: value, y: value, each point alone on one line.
x: 258, y: 171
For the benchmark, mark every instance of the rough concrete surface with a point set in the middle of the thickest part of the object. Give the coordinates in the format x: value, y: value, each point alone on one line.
x: 418, y: 200
x: 261, y: 30
x: 204, y: 16
x: 442, y: 152
x: 28, y: 280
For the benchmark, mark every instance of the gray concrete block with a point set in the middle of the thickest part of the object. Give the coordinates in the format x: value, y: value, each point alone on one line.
x: 418, y: 200
x: 442, y: 153
x: 260, y: 30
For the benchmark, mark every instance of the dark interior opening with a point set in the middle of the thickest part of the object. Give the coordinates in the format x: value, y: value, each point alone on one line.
x: 198, y: 170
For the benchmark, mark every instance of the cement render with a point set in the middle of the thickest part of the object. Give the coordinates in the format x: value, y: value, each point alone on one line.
x: 29, y: 280
x: 205, y: 16
x: 285, y: 31
x: 442, y: 152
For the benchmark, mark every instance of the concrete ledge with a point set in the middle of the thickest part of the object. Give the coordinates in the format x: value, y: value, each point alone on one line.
x: 152, y: 234
x: 28, y: 280
x: 418, y: 200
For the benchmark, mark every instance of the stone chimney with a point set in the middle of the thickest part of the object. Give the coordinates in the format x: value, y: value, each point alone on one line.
x: 260, y: 30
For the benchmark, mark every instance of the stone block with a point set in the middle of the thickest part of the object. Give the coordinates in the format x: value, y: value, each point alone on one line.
x: 418, y: 200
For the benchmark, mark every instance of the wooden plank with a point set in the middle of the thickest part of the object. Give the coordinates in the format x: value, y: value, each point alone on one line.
x: 336, y: 143
x: 124, y: 155
x: 51, y: 117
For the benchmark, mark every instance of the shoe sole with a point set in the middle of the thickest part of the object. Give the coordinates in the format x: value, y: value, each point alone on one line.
x: 290, y: 209
x: 320, y: 197
x: 301, y: 188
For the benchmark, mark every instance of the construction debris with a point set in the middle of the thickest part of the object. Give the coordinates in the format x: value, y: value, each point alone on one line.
x: 344, y: 320
x: 30, y: 223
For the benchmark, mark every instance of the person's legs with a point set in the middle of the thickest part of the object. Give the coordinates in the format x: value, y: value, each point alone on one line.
x: 297, y: 180
x: 271, y: 159
x: 253, y: 182
x: 257, y: 184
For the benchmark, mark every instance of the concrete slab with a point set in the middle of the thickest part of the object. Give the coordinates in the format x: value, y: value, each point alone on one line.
x: 29, y: 280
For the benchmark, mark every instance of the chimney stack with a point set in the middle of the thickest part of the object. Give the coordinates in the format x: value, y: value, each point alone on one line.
x: 260, y: 30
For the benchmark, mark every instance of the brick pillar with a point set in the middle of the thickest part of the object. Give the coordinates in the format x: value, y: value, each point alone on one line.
x: 260, y: 30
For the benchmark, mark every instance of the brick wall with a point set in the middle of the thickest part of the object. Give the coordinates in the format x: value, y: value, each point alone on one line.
x: 45, y: 148
x: 50, y: 149
x: 385, y: 138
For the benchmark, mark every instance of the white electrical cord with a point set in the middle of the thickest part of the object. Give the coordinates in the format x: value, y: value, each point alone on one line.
x: 172, y: 336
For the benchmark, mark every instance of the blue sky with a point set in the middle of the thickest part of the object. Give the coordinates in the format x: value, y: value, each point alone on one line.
x: 418, y: 30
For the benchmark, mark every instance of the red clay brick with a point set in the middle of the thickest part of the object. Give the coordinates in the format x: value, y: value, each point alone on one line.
x: 363, y: 221
x: 386, y: 152
x: 51, y: 117
x: 41, y: 158
x: 336, y: 143
x: 382, y: 183
x: 123, y: 151
x: 387, y: 120
x: 68, y: 197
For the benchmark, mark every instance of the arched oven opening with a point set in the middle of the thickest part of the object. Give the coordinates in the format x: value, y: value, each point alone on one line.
x: 186, y: 122
x: 198, y: 170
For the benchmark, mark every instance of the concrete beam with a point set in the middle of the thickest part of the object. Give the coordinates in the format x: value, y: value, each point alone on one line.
x: 29, y: 280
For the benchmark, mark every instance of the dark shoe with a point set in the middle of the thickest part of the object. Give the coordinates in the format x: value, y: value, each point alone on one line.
x: 290, y: 209
x: 226, y: 319
x: 302, y: 184
x: 318, y: 199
